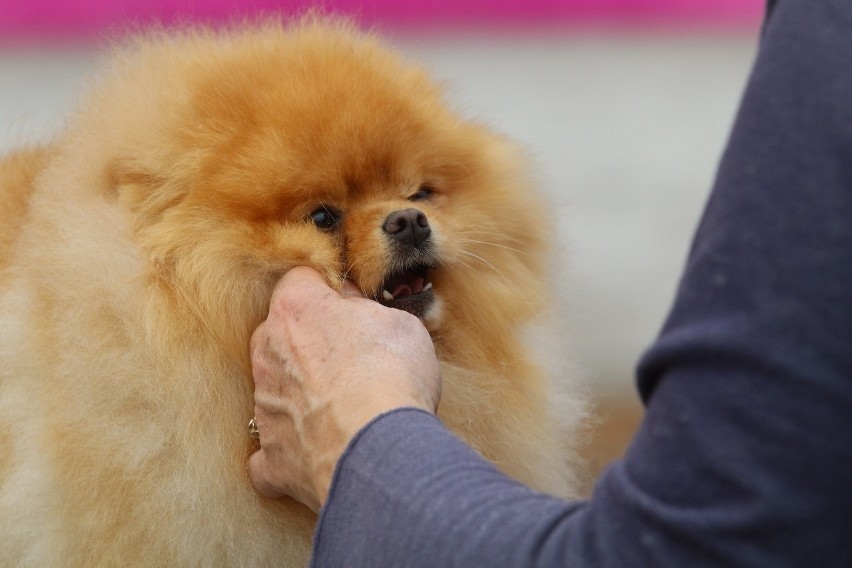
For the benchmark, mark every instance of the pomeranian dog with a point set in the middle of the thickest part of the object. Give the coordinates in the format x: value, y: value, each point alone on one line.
x: 139, y: 249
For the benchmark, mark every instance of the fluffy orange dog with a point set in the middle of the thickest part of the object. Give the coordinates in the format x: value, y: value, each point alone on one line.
x: 138, y: 253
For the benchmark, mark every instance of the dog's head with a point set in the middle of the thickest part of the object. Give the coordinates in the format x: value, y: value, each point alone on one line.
x: 243, y: 155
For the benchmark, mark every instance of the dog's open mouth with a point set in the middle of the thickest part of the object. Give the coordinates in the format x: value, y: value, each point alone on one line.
x: 409, y: 290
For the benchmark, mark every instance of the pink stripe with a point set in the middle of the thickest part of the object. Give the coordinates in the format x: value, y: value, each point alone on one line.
x: 33, y: 16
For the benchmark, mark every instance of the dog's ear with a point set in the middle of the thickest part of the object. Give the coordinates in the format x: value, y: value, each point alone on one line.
x: 140, y: 191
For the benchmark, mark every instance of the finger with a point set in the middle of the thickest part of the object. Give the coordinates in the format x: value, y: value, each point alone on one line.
x: 258, y: 338
x: 304, y: 276
x: 257, y: 471
x: 350, y: 290
x: 302, y: 284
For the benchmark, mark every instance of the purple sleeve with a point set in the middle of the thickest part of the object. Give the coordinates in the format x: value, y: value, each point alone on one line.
x: 434, y: 502
x: 745, y: 455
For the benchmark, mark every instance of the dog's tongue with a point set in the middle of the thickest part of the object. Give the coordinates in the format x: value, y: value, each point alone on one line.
x: 412, y: 285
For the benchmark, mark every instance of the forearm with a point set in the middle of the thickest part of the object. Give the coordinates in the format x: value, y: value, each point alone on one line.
x: 409, y: 493
x: 711, y: 480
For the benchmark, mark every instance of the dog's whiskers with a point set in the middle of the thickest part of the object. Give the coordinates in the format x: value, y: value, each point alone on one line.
x: 483, y: 261
x: 464, y: 240
x: 470, y: 266
x: 496, y: 234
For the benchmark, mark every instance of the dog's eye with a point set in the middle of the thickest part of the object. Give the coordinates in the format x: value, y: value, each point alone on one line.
x: 325, y: 218
x: 424, y: 192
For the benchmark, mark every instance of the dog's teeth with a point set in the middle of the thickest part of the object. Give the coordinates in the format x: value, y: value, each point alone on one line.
x: 387, y: 295
x: 427, y: 286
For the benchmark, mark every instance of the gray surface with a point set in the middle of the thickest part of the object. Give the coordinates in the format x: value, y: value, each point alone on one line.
x: 625, y: 129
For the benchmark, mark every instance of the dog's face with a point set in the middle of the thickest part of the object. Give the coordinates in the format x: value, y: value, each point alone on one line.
x: 327, y: 151
x: 355, y: 175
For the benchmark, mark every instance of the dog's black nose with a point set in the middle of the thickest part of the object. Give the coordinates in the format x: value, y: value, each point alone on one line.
x: 408, y: 226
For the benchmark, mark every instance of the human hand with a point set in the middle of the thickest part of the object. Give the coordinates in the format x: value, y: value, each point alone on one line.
x: 325, y: 364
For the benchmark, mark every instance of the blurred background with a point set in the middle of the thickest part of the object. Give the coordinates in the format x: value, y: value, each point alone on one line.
x: 623, y: 106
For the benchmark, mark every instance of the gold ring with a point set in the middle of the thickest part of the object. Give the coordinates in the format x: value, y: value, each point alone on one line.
x: 252, y: 429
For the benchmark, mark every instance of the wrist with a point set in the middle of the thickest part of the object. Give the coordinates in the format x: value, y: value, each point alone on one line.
x: 350, y: 427
x: 377, y: 405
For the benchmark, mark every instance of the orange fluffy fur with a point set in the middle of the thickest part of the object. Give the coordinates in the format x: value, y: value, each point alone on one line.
x: 138, y: 252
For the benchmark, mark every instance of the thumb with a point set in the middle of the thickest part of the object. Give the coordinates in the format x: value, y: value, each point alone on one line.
x: 258, y: 471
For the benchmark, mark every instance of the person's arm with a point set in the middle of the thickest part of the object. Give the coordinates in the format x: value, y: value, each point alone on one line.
x: 745, y: 455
